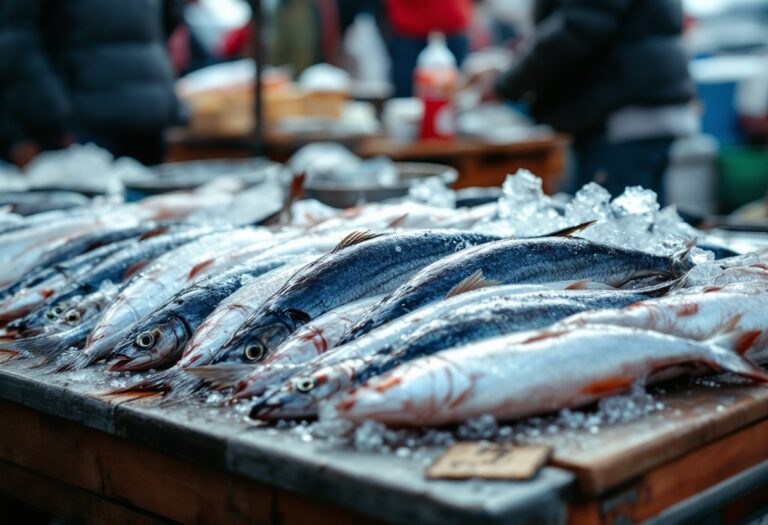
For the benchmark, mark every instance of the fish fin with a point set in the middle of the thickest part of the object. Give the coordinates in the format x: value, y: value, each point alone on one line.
x: 571, y: 230
x: 7, y: 354
x: 43, y: 346
x: 739, y: 341
x: 728, y: 353
x: 475, y: 281
x: 199, y: 268
x: 154, y: 233
x: 135, y: 268
x: 354, y: 238
x: 298, y: 317
x: 221, y: 376
x: 608, y: 385
x: 683, y: 255
x: 642, y: 275
x: 729, y: 326
x: 285, y: 214
x: 160, y: 383
x: 398, y: 221
x: 586, y: 284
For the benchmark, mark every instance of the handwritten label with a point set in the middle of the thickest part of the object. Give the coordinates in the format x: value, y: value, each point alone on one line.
x: 489, y: 461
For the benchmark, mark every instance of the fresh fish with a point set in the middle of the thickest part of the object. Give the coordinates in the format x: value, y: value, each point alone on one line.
x: 362, y: 265
x: 219, y: 326
x: 93, y: 241
x: 32, y: 202
x: 512, y: 377
x: 523, y: 261
x: 22, y: 297
x: 699, y: 316
x: 160, y: 280
x: 302, y: 395
x: 408, y: 215
x: 159, y: 339
x: 22, y: 250
x: 249, y: 382
x: 116, y: 268
x: 311, y: 340
x: 210, y: 337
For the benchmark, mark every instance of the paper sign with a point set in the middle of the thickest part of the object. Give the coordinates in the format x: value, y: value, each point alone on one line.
x: 489, y: 461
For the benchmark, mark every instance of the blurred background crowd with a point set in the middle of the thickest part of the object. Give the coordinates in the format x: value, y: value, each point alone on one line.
x: 665, y: 94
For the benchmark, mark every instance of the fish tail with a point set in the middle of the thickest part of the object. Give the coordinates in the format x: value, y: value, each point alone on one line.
x: 221, y: 376
x: 729, y: 353
x: 70, y: 359
x: 159, y: 383
x: 43, y: 346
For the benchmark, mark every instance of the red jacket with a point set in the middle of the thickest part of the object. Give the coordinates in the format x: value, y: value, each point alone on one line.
x: 421, y: 17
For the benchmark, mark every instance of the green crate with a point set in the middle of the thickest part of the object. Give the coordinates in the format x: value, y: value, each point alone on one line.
x: 743, y: 176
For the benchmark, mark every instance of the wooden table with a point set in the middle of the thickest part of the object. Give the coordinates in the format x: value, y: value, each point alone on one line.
x: 479, y: 163
x: 76, y: 453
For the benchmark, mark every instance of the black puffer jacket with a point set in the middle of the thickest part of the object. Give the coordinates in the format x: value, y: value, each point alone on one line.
x: 94, y: 65
x: 591, y: 57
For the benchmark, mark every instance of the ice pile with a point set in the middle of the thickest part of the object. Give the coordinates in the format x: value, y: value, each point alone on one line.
x: 82, y: 168
x: 433, y: 192
x: 576, y: 426
x: 634, y: 219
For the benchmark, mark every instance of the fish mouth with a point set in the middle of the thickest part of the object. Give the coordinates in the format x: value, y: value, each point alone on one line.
x: 265, y: 410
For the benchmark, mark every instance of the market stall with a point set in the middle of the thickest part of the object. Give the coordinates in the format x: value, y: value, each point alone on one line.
x: 111, y: 433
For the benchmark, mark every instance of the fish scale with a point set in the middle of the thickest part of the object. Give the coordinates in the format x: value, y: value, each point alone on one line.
x: 172, y: 325
x: 521, y: 261
x: 159, y: 281
x: 533, y: 373
x: 375, y: 266
x: 112, y: 269
x: 501, y: 315
x: 255, y: 379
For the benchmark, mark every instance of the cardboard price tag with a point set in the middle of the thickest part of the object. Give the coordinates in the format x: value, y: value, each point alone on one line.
x: 489, y: 461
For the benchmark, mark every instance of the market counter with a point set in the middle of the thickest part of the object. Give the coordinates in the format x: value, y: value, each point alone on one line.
x: 75, y: 453
x: 479, y: 163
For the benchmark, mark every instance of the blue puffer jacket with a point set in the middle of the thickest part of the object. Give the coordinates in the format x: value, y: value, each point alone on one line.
x: 592, y: 57
x: 94, y: 65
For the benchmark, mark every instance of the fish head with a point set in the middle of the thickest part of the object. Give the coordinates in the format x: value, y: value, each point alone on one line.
x: 256, y: 339
x: 153, y: 347
x: 39, y: 319
x: 78, y: 312
x: 301, y: 395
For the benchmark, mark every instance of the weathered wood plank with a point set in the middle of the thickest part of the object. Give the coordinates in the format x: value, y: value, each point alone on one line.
x: 137, y: 477
x: 693, y: 417
x: 68, y: 502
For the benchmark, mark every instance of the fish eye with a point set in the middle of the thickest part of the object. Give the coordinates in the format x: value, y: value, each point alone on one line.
x: 254, y: 352
x: 145, y: 340
x: 54, y: 312
x: 305, y: 384
x: 72, y: 317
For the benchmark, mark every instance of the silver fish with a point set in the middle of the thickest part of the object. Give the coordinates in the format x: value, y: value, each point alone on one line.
x: 523, y: 261
x: 511, y: 377
x: 362, y: 265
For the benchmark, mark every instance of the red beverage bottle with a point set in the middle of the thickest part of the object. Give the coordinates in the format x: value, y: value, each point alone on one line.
x: 435, y: 81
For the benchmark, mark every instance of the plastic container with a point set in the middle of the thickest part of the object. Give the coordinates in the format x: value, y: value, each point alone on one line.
x: 435, y: 81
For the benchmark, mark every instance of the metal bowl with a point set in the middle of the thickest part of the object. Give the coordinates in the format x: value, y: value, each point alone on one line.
x: 343, y: 196
x: 188, y: 175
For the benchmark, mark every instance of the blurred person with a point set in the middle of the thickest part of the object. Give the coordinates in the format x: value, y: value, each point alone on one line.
x: 86, y: 71
x: 614, y: 75
x: 409, y: 23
